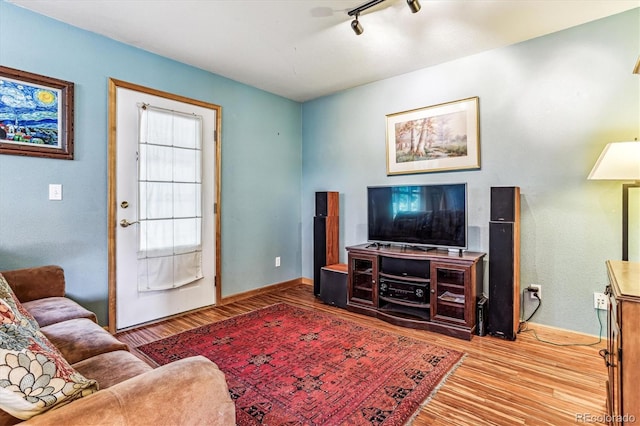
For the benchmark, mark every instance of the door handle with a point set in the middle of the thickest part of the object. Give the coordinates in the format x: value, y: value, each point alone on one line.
x: 124, y: 223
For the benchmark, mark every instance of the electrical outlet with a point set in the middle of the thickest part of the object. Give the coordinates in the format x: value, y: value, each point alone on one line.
x: 599, y: 301
x: 277, y: 261
x: 531, y: 293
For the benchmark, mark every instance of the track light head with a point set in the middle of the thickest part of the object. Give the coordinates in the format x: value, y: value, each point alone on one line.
x: 414, y: 5
x: 356, y: 27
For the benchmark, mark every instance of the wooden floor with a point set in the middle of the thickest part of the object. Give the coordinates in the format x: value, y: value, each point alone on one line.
x: 499, y: 383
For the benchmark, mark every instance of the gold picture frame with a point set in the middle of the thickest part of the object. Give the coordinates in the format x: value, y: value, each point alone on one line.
x: 436, y: 138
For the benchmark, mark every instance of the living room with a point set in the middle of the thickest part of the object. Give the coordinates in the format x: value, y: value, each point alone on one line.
x: 547, y: 108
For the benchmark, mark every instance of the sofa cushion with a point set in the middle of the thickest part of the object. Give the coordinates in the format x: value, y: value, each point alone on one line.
x: 112, y: 368
x: 51, y: 310
x: 81, y: 338
x: 34, y: 377
x: 190, y: 391
x: 7, y: 419
x: 36, y: 283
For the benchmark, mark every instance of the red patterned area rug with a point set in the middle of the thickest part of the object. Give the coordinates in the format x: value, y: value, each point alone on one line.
x: 294, y: 366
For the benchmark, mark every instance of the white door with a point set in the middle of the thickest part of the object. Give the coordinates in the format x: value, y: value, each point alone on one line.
x: 155, y: 279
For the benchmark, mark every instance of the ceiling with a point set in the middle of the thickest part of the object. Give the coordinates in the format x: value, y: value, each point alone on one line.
x: 304, y: 49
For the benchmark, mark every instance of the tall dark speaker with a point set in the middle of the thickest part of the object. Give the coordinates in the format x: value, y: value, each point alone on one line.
x: 327, y: 204
x: 505, y: 203
x: 326, y: 237
x: 504, y: 262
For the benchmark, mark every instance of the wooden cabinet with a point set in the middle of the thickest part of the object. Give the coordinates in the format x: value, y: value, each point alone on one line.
x: 450, y: 285
x: 433, y: 290
x: 363, y: 272
x: 622, y: 355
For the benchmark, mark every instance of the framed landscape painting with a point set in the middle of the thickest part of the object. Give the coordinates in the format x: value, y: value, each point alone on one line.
x: 36, y: 115
x: 435, y: 138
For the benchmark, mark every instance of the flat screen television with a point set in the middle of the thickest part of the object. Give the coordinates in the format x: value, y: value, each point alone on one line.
x: 419, y: 215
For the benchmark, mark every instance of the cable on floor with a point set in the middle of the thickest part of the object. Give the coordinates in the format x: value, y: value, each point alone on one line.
x: 523, y: 328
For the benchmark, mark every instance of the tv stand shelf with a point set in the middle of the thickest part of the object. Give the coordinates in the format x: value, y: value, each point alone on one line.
x: 431, y: 290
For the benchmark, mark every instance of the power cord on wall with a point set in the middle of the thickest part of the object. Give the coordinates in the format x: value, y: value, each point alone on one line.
x: 523, y: 327
x: 537, y: 296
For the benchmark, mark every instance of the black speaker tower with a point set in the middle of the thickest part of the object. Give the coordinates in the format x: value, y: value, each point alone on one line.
x: 504, y: 262
x: 326, y: 237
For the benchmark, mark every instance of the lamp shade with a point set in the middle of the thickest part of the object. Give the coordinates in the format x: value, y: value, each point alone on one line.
x: 618, y: 161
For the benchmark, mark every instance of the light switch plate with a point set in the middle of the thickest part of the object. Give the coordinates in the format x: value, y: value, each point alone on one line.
x: 55, y: 191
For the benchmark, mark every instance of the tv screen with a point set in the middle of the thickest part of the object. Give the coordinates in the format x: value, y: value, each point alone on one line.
x: 422, y: 215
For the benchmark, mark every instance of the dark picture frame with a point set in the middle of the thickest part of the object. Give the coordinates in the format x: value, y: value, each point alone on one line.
x: 36, y: 115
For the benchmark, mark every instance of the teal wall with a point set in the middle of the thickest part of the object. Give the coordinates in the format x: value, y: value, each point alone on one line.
x: 261, y: 163
x: 547, y: 108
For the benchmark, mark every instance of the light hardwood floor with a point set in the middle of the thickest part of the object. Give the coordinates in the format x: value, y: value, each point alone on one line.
x: 521, y: 382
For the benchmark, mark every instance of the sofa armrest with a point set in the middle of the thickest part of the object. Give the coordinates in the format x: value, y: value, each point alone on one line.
x: 192, y: 391
x: 36, y: 283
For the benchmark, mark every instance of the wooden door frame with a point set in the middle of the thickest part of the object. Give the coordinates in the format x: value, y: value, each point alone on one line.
x: 114, y: 84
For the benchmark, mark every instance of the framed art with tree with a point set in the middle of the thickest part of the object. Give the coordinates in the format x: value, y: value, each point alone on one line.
x: 436, y: 138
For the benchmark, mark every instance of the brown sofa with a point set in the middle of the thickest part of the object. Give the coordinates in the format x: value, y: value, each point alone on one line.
x: 191, y: 391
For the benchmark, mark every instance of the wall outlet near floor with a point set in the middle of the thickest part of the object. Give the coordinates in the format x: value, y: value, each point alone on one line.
x: 277, y: 261
x: 532, y: 293
x: 599, y: 301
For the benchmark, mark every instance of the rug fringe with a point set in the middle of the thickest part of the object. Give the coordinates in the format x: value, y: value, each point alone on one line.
x: 435, y: 390
x: 144, y: 357
x: 153, y: 363
x: 209, y: 323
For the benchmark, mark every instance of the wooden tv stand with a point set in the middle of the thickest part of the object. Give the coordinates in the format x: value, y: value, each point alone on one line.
x: 432, y: 290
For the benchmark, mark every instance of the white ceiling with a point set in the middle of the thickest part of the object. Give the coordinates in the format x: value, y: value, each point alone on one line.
x: 303, y: 49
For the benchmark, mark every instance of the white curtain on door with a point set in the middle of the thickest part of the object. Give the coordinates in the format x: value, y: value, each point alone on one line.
x: 169, y: 199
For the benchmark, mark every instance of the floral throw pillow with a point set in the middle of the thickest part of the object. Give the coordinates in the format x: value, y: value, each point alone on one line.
x: 34, y: 377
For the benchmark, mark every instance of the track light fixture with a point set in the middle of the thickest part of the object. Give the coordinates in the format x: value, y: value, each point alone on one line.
x: 356, y: 27
x: 414, y: 5
x: 356, y: 11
